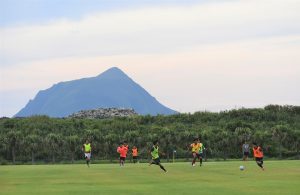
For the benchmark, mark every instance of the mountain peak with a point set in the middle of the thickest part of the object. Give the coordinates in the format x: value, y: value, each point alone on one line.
x: 113, y: 72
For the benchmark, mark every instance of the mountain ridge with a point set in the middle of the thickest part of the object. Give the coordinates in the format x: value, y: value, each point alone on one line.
x: 112, y: 88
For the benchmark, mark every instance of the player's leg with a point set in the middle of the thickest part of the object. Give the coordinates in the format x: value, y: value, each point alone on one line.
x: 200, y: 157
x: 260, y: 162
x: 124, y: 161
x: 162, y: 167
x: 194, y: 158
x: 157, y: 162
x: 134, y: 159
x: 88, y: 159
x: 152, y: 162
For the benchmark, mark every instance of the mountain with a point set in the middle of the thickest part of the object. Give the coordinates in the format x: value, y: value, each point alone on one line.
x: 112, y: 88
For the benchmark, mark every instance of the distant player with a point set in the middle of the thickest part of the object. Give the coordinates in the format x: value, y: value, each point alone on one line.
x: 245, y: 149
x: 87, y: 149
x: 155, y: 156
x: 119, y: 151
x: 195, y: 150
x: 201, y: 152
x: 122, y: 150
x: 258, y: 155
x: 134, y: 154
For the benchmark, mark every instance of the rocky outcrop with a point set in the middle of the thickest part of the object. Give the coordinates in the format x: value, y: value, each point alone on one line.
x: 102, y: 113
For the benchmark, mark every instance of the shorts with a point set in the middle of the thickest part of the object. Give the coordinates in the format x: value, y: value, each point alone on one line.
x: 195, y: 155
x: 246, y: 153
x: 135, y: 157
x: 201, y: 155
x: 156, y: 161
x: 260, y: 159
x: 87, y: 155
x: 122, y: 158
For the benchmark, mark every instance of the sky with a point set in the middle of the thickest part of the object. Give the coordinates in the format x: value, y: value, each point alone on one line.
x: 193, y: 55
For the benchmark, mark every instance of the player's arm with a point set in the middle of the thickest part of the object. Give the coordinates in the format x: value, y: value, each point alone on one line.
x: 151, y: 150
x: 162, y: 153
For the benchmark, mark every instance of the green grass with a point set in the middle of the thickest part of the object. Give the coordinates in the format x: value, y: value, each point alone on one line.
x: 280, y: 177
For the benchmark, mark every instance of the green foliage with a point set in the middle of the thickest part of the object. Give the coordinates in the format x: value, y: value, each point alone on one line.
x: 40, y: 138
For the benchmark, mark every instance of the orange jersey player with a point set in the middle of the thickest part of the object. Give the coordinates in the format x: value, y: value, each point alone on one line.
x: 258, y: 155
x: 122, y: 150
x: 134, y: 154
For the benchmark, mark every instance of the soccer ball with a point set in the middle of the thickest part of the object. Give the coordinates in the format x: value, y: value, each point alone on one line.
x: 242, y: 168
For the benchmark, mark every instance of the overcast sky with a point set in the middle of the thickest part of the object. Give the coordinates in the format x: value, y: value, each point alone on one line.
x: 191, y: 55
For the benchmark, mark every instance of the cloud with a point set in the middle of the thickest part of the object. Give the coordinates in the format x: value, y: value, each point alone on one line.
x: 208, y: 56
x: 149, y: 30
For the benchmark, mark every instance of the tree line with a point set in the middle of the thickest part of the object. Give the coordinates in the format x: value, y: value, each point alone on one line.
x: 41, y: 138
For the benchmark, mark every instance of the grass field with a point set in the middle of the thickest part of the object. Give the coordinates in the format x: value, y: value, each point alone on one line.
x: 280, y: 177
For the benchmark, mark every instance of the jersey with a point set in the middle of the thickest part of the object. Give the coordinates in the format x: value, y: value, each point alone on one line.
x: 201, y: 148
x: 134, y: 152
x: 195, y: 147
x: 257, y: 152
x: 245, y: 147
x: 122, y: 151
x: 87, y: 148
x: 154, y: 152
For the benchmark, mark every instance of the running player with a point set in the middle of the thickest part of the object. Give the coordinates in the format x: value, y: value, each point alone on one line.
x: 258, y: 155
x: 155, y: 156
x: 134, y: 154
x: 201, y: 150
x: 87, y: 149
x: 195, y: 150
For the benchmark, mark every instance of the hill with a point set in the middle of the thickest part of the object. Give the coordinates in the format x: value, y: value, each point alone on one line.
x: 111, y: 89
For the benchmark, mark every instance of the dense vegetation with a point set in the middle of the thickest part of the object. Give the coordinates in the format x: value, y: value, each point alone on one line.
x: 40, y: 138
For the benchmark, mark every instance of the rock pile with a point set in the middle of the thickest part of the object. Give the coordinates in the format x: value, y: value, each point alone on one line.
x: 102, y: 113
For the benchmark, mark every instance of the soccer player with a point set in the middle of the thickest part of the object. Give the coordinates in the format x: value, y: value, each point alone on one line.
x: 119, y: 151
x: 134, y: 154
x: 155, y: 156
x: 258, y: 155
x: 195, y: 150
x: 201, y: 150
x: 87, y: 149
x: 245, y: 148
x: 122, y: 150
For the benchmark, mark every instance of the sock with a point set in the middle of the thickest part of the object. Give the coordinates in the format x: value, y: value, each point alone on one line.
x: 162, y: 168
x: 200, y: 161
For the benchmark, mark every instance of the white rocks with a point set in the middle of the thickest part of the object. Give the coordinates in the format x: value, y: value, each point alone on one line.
x: 101, y: 113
